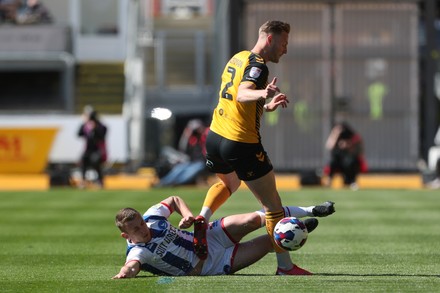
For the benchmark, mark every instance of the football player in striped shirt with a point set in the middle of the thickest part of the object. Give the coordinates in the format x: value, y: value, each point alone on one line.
x: 156, y: 246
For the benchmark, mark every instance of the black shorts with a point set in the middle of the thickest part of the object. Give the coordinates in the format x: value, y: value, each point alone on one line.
x: 248, y: 160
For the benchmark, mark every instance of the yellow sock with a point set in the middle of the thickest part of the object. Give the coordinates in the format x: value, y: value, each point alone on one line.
x: 272, y: 218
x: 216, y: 196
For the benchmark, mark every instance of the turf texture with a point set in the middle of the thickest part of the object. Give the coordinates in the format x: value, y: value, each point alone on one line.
x: 64, y: 240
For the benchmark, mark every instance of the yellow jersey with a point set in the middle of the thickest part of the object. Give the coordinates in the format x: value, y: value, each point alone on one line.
x: 234, y: 120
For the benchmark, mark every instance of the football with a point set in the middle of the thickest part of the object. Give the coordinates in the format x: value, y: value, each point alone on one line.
x: 290, y: 233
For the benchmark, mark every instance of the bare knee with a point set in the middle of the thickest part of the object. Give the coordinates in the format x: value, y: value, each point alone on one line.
x: 254, y: 221
x: 231, y: 181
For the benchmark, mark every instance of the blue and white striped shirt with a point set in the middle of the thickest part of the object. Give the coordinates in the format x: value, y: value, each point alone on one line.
x: 169, y: 252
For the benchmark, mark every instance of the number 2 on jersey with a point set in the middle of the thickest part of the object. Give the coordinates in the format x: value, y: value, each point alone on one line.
x: 225, y: 93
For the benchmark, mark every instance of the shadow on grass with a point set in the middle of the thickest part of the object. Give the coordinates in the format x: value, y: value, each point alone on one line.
x: 169, y: 278
x: 380, y: 275
x: 353, y: 275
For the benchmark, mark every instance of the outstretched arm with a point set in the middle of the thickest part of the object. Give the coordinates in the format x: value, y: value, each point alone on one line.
x: 129, y: 270
x: 177, y: 204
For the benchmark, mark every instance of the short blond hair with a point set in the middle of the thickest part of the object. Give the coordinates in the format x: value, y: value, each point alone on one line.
x: 125, y: 215
x: 274, y: 27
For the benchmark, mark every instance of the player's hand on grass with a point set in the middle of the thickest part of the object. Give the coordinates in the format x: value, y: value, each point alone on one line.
x: 129, y: 270
x: 120, y: 276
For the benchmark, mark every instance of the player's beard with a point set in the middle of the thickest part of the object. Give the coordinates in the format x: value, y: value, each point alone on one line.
x: 275, y: 58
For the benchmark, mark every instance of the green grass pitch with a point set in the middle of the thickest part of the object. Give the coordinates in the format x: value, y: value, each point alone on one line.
x: 64, y: 240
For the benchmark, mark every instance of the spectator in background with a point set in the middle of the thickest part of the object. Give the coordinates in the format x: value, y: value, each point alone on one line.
x: 435, y: 184
x: 191, y: 143
x: 95, y: 152
x: 8, y: 10
x: 434, y: 161
x: 34, y: 12
x: 346, y: 155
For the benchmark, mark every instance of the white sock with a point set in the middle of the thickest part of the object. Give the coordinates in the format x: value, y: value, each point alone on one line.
x: 206, y: 213
x: 298, y: 212
x: 291, y: 211
x: 284, y: 261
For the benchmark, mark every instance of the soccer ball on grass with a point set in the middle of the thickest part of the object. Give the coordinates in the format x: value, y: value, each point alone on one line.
x: 290, y: 233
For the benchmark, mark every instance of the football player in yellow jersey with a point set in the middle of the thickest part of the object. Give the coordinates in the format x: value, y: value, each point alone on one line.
x: 234, y: 149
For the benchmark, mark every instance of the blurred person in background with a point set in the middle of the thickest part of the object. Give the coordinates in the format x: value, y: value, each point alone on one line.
x: 95, y: 151
x: 8, y: 10
x: 192, y: 144
x: 435, y: 184
x: 346, y: 155
x: 34, y: 12
x: 434, y: 156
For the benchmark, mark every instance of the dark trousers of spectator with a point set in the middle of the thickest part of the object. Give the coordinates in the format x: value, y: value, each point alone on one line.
x: 348, y: 166
x: 92, y: 160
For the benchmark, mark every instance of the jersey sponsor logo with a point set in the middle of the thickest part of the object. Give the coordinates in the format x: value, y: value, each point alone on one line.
x: 260, y: 156
x: 255, y: 72
x: 169, y: 238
